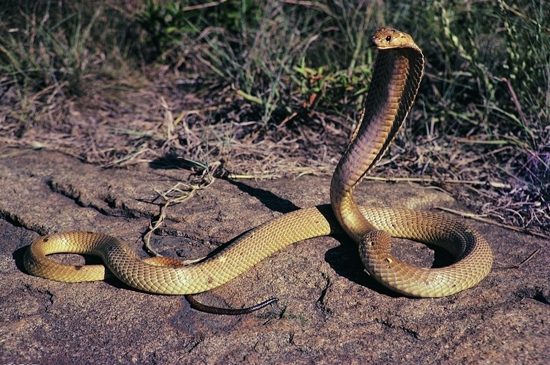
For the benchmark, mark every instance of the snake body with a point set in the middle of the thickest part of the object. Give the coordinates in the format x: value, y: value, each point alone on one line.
x: 396, y: 79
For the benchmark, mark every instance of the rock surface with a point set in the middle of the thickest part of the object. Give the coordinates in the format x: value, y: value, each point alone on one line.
x: 329, y: 310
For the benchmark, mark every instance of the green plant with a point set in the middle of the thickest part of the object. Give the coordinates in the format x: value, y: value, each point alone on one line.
x: 167, y: 23
x: 164, y: 24
x: 332, y: 88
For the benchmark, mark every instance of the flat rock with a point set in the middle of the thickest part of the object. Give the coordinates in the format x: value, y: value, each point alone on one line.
x: 329, y: 311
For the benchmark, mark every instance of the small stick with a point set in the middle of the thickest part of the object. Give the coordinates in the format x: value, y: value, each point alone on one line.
x: 290, y: 117
x: 494, y: 184
x: 527, y: 259
x: 489, y: 221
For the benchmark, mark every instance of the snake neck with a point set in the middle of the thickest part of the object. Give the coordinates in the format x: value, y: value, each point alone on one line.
x: 395, y: 83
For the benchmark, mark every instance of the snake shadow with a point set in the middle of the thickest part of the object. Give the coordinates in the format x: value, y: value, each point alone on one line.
x: 345, y: 261
x: 18, y: 258
x: 267, y: 198
x: 271, y: 201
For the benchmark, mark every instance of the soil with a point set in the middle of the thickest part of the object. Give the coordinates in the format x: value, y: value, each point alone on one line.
x: 329, y: 310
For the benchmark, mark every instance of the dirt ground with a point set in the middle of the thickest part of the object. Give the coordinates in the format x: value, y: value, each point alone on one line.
x: 329, y: 311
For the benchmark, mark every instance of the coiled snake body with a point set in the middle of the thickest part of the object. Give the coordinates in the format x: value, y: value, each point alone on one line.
x: 397, y: 75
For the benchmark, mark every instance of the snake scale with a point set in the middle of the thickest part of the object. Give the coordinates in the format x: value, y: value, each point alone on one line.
x: 397, y: 74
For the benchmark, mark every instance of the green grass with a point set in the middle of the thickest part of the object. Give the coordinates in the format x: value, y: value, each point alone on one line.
x: 290, y: 67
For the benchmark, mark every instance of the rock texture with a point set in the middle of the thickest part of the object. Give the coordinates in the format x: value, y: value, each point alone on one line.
x: 329, y: 310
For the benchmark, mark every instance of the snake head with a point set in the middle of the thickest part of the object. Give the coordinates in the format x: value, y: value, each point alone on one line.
x: 388, y: 38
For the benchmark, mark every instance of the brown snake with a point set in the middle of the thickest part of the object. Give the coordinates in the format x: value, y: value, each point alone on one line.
x: 397, y: 75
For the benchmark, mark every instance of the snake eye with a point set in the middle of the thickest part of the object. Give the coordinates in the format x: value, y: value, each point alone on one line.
x: 388, y: 38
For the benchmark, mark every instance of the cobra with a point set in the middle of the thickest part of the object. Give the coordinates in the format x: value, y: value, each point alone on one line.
x: 397, y: 74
